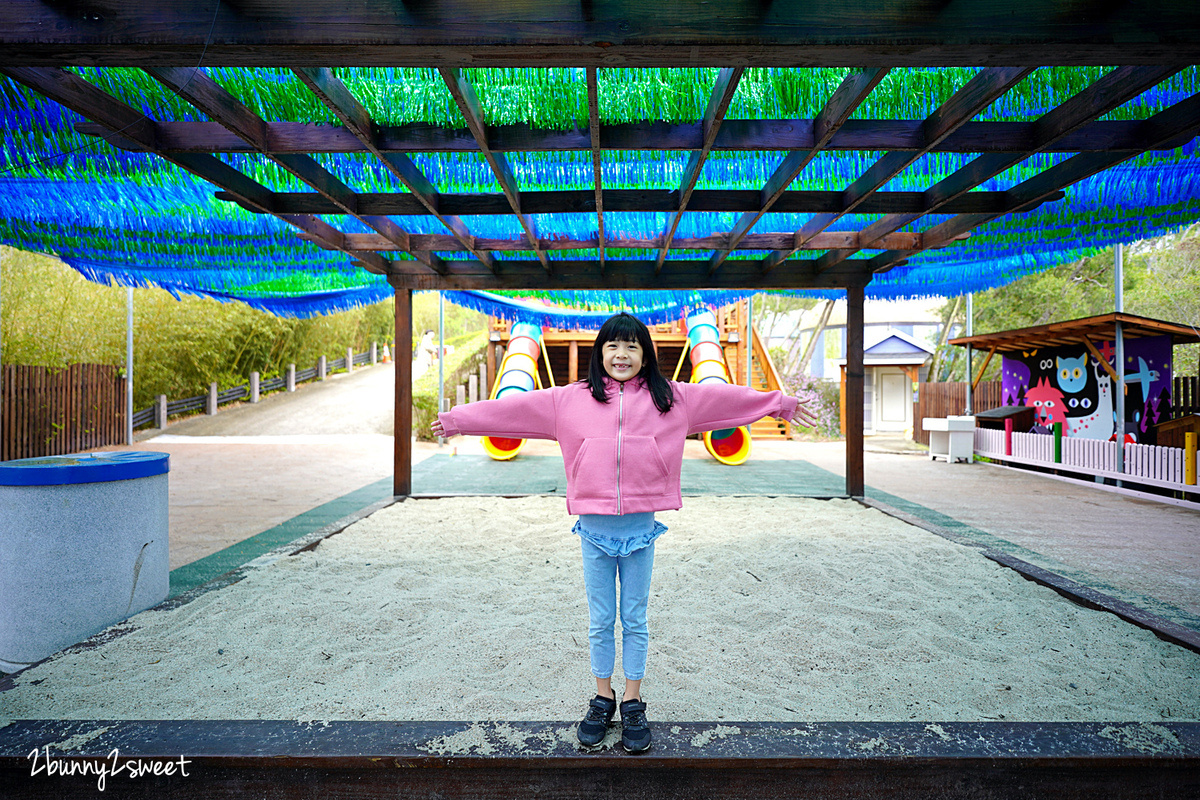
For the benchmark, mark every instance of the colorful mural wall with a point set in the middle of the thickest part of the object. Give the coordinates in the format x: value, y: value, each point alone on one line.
x: 1067, y: 385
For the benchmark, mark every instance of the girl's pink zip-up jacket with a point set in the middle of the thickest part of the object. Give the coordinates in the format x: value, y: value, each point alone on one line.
x: 621, y: 457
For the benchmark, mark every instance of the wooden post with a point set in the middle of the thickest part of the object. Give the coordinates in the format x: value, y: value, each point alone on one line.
x: 573, y: 362
x: 490, y: 378
x: 855, y: 297
x: 402, y: 449
x: 1189, y: 459
x: 842, y: 402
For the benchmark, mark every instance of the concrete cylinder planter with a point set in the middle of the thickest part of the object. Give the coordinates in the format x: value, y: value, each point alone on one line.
x: 84, y: 544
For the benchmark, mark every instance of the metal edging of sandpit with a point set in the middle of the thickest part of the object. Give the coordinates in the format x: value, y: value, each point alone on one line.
x: 277, y: 759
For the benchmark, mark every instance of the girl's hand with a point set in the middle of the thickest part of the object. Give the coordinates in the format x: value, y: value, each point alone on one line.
x: 437, y: 428
x: 804, y: 416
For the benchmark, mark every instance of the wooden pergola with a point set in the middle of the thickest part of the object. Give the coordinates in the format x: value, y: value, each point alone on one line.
x: 1151, y: 41
x: 1147, y: 40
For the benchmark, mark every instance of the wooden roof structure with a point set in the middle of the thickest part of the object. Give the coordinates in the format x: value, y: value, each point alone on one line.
x: 1150, y: 41
x: 1100, y: 328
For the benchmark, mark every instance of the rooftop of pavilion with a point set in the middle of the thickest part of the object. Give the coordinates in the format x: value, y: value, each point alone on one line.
x: 275, y: 180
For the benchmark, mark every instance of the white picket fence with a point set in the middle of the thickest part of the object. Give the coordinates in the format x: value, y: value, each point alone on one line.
x: 1145, y: 464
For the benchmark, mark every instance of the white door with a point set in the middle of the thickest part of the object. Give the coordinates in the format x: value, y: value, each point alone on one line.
x: 895, y: 401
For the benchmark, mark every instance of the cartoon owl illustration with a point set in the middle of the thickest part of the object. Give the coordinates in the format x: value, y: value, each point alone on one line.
x: 1071, y: 373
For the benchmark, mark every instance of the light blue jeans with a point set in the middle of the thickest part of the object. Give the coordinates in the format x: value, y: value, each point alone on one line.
x: 600, y: 573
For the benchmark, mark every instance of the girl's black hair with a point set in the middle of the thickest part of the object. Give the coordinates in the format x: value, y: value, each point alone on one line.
x: 628, y: 328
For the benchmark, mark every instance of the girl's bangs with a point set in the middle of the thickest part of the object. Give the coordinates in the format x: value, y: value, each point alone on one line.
x: 623, y: 328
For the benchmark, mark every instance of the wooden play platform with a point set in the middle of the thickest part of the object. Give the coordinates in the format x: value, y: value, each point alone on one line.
x: 568, y: 352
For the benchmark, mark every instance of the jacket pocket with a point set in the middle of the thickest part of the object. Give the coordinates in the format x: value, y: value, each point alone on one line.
x: 594, y: 470
x: 643, y: 471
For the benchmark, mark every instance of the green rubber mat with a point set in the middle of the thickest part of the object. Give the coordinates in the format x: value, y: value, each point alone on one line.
x: 203, y: 570
x: 545, y: 475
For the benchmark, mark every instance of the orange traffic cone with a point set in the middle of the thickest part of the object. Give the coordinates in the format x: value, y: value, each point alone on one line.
x: 387, y: 355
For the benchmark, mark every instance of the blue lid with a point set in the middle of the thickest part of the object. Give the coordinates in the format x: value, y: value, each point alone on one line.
x: 83, y: 468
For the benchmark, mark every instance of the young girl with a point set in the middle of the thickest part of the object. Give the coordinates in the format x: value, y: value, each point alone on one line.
x: 621, y: 431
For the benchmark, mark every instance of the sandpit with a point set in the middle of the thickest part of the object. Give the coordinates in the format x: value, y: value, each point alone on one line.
x: 762, y: 609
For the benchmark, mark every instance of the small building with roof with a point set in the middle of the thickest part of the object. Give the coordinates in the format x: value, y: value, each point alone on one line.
x: 892, y: 364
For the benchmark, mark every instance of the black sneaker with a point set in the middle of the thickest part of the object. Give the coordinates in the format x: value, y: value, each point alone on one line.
x: 635, y: 730
x: 595, y: 723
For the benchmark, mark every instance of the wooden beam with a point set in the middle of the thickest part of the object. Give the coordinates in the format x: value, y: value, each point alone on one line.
x: 75, y: 93
x: 956, y: 112
x: 583, y: 201
x: 848, y: 96
x: 517, y: 760
x: 211, y: 98
x: 718, y: 103
x: 477, y: 33
x: 1091, y: 348
x: 529, y: 274
x: 468, y: 104
x: 983, y: 368
x: 423, y: 242
x: 1115, y: 88
x: 593, y: 91
x: 338, y: 99
x: 738, y: 135
x: 855, y: 482
x: 1169, y: 124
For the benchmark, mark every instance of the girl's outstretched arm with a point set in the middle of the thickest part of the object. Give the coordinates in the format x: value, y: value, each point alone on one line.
x: 712, y: 406
x: 520, y: 415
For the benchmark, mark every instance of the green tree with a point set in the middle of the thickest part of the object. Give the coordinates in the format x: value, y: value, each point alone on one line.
x: 1161, y: 280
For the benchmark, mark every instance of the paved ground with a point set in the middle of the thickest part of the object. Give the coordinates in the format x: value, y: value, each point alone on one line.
x: 252, y: 469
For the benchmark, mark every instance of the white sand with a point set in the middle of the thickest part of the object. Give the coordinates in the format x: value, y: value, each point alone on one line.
x: 761, y: 609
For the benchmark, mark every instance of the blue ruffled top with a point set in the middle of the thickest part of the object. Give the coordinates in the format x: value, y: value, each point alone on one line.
x: 619, y: 535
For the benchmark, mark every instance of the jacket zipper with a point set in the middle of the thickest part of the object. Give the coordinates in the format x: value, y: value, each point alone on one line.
x: 620, y: 428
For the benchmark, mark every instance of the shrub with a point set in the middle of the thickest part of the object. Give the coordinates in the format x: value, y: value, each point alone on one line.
x: 824, y: 401
x: 470, y: 350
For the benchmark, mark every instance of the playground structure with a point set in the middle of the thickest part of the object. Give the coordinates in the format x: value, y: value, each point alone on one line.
x: 706, y: 346
x: 518, y: 373
x: 728, y: 445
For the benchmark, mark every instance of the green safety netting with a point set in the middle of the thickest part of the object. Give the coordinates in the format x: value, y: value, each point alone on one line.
x: 135, y: 219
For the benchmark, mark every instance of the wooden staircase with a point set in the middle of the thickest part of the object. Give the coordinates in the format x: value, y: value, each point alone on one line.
x: 764, y: 377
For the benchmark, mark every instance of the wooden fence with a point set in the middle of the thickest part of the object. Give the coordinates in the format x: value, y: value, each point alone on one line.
x: 1185, y: 396
x: 49, y: 412
x: 950, y: 399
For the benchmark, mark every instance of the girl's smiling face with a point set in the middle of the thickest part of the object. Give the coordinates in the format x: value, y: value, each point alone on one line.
x: 622, y: 360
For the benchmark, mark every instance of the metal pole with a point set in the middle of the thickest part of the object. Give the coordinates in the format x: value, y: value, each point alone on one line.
x: 129, y: 365
x: 970, y: 332
x: 441, y: 355
x: 1119, y: 307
